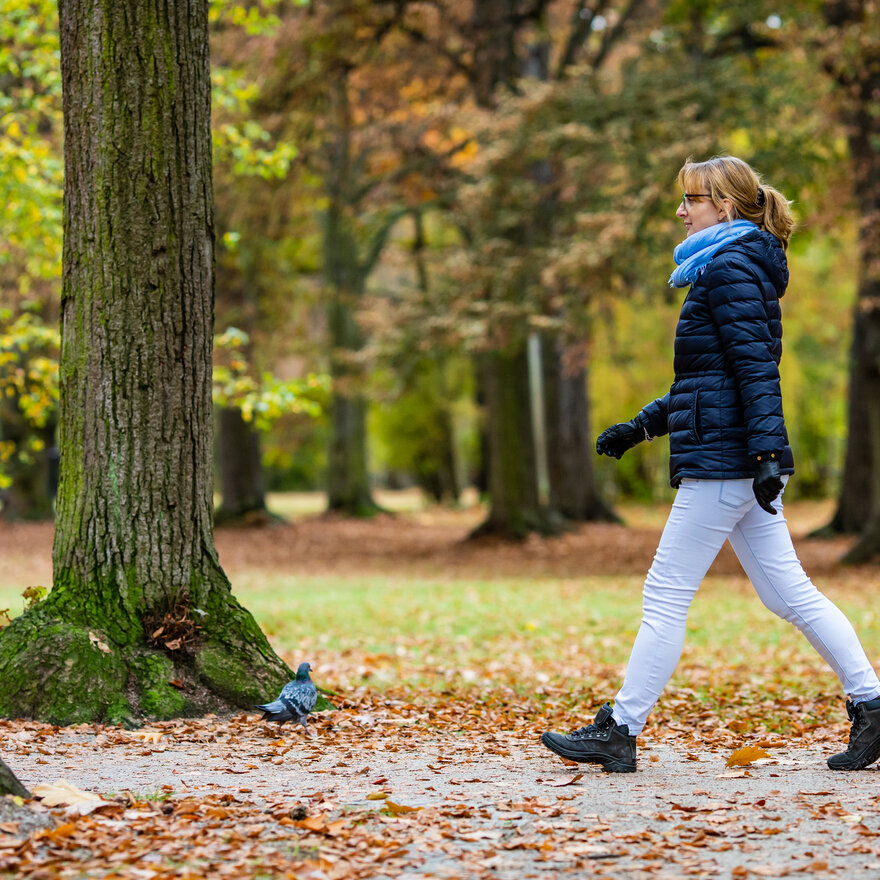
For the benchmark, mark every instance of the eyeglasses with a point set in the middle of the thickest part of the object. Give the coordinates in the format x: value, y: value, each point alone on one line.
x: 688, y: 199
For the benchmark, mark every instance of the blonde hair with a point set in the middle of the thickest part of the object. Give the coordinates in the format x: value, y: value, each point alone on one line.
x: 726, y: 177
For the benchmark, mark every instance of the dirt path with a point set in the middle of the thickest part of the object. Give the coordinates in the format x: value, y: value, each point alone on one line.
x: 488, y: 804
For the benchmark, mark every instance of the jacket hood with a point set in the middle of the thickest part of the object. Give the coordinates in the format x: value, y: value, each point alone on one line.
x: 765, y: 249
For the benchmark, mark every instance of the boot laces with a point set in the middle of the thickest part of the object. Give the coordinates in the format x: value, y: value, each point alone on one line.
x: 584, y: 732
x: 858, y: 723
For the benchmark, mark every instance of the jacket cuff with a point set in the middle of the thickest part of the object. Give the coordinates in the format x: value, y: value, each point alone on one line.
x: 774, y: 455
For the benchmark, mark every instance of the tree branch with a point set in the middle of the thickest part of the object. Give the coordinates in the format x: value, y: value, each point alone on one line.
x: 380, y: 238
x: 581, y: 25
x: 425, y: 160
x: 455, y: 58
x: 613, y: 35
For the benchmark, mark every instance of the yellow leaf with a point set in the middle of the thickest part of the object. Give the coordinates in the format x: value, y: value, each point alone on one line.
x: 748, y: 755
x: 377, y: 796
x: 399, y: 809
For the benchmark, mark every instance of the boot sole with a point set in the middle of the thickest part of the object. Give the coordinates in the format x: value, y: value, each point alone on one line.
x: 861, y: 763
x: 609, y: 763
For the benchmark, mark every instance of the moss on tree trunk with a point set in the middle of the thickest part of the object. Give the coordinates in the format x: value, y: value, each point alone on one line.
x: 141, y: 620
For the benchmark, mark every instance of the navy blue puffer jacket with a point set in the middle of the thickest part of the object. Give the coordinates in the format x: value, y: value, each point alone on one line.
x: 725, y: 406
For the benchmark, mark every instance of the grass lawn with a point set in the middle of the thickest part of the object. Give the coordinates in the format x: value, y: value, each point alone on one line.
x: 388, y: 626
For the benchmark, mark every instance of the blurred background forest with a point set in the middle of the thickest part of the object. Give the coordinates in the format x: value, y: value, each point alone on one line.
x: 444, y: 230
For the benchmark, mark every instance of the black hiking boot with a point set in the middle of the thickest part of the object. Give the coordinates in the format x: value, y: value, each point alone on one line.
x: 864, y: 737
x: 603, y: 742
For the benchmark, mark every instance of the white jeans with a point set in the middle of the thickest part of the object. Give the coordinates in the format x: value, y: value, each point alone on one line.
x: 704, y: 515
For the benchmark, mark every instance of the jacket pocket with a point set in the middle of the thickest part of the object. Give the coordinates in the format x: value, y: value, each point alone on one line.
x: 696, y: 423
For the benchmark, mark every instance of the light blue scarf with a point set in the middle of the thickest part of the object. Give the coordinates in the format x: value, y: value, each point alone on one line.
x: 696, y: 251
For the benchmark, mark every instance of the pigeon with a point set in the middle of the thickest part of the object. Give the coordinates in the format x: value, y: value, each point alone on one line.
x: 296, y: 700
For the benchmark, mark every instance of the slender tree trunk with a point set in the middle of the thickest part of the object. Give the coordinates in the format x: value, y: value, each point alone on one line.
x: 866, y: 356
x: 481, y: 476
x: 348, y: 488
x: 853, y: 23
x: 141, y: 619
x: 439, y: 474
x: 9, y: 783
x: 570, y: 445
x: 241, y: 471
x: 854, y: 503
x: 513, y: 487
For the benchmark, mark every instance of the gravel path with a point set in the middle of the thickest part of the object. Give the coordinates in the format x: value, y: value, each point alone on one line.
x: 500, y: 805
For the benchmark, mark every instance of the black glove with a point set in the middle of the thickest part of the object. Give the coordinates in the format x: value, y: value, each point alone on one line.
x: 618, y: 438
x: 767, y: 483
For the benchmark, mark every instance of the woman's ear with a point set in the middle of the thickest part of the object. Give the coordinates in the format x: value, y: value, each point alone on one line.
x: 727, y: 211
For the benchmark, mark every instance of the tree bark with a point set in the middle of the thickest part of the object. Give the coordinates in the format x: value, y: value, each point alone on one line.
x: 348, y: 487
x: 570, y: 450
x: 854, y: 503
x: 241, y: 471
x: 514, y: 509
x: 9, y: 783
x: 141, y: 620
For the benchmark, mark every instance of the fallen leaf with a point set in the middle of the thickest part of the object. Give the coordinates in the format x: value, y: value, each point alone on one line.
x: 399, y: 809
x: 748, y: 755
x: 147, y: 735
x: 564, y: 780
x: 97, y: 643
x: 376, y: 796
x: 312, y: 823
x: 62, y: 831
x: 63, y: 794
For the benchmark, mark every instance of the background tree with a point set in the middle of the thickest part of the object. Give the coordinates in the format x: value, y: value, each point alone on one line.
x: 30, y: 250
x: 256, y: 218
x: 141, y: 618
x: 851, y: 56
x: 28, y: 414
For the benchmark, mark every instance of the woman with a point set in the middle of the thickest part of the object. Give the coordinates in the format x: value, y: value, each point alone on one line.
x: 729, y: 459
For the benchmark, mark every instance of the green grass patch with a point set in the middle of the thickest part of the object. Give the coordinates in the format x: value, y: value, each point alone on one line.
x: 424, y: 632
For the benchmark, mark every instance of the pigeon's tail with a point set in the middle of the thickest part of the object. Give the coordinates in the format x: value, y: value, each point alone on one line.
x: 273, y: 712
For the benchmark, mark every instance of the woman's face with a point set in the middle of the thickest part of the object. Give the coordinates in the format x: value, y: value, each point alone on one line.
x: 698, y: 212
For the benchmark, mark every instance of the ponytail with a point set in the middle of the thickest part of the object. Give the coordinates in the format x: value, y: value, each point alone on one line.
x: 777, y: 218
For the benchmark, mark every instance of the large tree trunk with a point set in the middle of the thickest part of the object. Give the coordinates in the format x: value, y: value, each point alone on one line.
x: 9, y: 783
x: 141, y: 619
x: 241, y: 471
x: 570, y: 449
